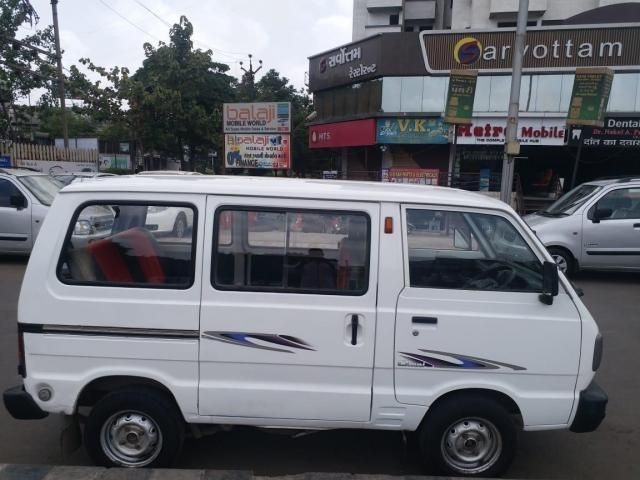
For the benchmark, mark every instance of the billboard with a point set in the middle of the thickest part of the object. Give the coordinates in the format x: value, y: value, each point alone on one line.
x: 461, y: 95
x: 531, y: 131
x: 412, y: 131
x: 616, y: 132
x: 590, y: 96
x: 255, y: 150
x: 260, y: 117
x: 57, y: 167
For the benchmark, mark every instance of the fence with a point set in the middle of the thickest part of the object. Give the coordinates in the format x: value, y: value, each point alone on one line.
x: 23, y: 151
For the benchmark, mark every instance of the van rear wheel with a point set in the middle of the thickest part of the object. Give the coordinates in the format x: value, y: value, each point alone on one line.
x: 136, y: 427
x: 469, y: 436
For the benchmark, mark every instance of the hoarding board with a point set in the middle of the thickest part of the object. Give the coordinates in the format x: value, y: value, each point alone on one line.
x: 257, y: 151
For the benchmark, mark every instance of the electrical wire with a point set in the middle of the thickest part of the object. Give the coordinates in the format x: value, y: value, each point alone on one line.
x: 128, y: 21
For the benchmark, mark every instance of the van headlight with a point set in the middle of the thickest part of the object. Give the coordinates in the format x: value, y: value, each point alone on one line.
x: 83, y: 227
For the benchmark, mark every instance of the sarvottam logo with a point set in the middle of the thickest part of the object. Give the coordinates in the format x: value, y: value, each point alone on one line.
x: 546, y: 49
x: 467, y: 51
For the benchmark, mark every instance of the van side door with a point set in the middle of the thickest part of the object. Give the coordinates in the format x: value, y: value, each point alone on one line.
x: 470, y: 317
x: 287, y: 323
x: 15, y: 222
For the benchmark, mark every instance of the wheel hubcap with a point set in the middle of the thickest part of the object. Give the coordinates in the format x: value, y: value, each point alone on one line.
x: 131, y: 439
x: 561, y: 262
x: 471, y: 445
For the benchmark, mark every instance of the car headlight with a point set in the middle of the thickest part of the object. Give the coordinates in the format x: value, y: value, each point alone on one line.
x: 83, y: 227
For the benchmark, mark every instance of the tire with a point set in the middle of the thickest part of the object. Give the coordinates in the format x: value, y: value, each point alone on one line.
x: 470, y: 436
x: 565, y: 261
x: 180, y: 226
x: 148, y: 424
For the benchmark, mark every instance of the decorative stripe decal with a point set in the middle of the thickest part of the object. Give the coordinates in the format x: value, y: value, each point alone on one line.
x: 457, y: 361
x: 245, y: 339
x: 107, y: 331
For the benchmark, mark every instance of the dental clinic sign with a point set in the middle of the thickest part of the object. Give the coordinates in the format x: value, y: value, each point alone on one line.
x: 546, y: 49
x: 259, y: 117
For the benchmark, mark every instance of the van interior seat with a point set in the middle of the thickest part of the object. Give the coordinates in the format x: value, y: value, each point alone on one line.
x: 127, y: 255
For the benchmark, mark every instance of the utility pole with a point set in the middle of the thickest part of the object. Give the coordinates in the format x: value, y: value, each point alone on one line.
x: 63, y: 106
x: 511, y: 144
x: 251, y: 73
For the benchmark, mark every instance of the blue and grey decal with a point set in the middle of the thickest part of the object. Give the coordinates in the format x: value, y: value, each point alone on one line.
x: 244, y: 339
x: 453, y: 360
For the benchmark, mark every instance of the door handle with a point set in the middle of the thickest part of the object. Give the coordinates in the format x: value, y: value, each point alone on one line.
x: 424, y: 320
x: 636, y: 225
x: 354, y: 329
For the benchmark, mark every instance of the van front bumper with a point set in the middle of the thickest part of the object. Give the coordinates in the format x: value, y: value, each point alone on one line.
x: 21, y: 405
x: 592, y: 408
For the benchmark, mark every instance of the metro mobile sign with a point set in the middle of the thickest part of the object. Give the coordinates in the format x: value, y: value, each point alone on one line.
x: 261, y: 117
x: 546, y: 49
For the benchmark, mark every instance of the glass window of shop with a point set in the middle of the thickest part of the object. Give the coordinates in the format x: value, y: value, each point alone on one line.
x: 359, y: 98
x: 538, y: 93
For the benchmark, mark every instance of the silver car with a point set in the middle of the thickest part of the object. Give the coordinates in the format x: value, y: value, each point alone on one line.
x: 594, y: 226
x: 25, y: 197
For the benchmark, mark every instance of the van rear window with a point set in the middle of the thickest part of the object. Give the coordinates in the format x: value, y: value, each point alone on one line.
x: 127, y: 244
x: 295, y: 251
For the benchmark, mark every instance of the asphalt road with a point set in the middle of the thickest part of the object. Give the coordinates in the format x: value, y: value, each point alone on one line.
x: 610, y: 452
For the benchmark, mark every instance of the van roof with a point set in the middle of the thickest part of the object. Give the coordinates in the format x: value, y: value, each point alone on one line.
x: 289, y: 188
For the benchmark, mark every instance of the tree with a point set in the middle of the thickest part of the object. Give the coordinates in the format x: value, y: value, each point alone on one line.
x: 274, y: 88
x: 22, y: 69
x: 171, y: 104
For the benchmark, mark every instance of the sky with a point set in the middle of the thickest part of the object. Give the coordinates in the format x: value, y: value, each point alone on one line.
x: 281, y: 33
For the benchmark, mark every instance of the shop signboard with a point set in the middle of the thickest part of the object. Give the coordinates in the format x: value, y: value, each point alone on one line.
x: 616, y: 132
x: 257, y: 151
x: 115, y: 160
x: 330, y: 174
x: 421, y: 176
x: 411, y: 131
x: 55, y: 167
x: 547, y: 49
x: 5, y: 161
x: 531, y: 131
x: 343, y: 134
x: 590, y: 96
x: 461, y: 95
x: 259, y: 117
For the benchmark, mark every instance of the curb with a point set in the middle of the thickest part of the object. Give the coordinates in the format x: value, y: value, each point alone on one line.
x: 48, y: 472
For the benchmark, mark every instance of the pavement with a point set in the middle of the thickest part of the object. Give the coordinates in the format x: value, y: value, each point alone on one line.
x: 43, y: 472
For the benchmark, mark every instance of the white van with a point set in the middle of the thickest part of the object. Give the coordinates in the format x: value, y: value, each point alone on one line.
x: 264, y: 314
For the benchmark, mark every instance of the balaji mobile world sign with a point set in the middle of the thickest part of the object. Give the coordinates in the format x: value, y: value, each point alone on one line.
x: 546, y: 49
x: 261, y: 117
x: 257, y: 151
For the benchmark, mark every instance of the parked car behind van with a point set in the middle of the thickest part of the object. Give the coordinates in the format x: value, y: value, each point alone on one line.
x: 594, y: 226
x: 25, y: 197
x: 462, y: 332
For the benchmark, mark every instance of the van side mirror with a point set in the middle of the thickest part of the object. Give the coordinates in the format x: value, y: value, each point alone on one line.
x: 598, y: 214
x: 18, y: 201
x: 550, y: 282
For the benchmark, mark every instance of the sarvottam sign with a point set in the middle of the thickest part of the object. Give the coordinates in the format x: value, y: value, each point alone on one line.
x: 260, y: 117
x: 531, y: 131
x: 546, y: 49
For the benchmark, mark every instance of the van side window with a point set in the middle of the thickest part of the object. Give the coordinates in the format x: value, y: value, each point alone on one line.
x: 470, y: 251
x: 126, y: 244
x: 296, y: 251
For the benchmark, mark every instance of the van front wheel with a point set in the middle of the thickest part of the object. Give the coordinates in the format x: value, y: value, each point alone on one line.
x: 471, y: 437
x: 135, y: 427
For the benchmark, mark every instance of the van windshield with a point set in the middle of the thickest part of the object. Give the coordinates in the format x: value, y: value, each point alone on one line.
x: 571, y: 201
x: 43, y: 187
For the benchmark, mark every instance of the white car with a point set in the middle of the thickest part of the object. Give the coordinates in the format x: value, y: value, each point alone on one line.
x: 169, y: 220
x: 462, y: 332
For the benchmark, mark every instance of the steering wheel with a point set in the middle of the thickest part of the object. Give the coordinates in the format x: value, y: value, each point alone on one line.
x: 499, y: 274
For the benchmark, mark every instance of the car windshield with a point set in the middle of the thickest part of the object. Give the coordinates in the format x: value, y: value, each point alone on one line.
x: 43, y: 187
x: 569, y: 203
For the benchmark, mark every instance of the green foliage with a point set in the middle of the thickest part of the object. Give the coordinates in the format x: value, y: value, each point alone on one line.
x: 80, y: 125
x: 21, y: 69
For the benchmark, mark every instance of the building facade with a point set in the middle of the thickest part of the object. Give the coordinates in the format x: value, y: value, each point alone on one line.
x: 371, y: 17
x: 379, y: 104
